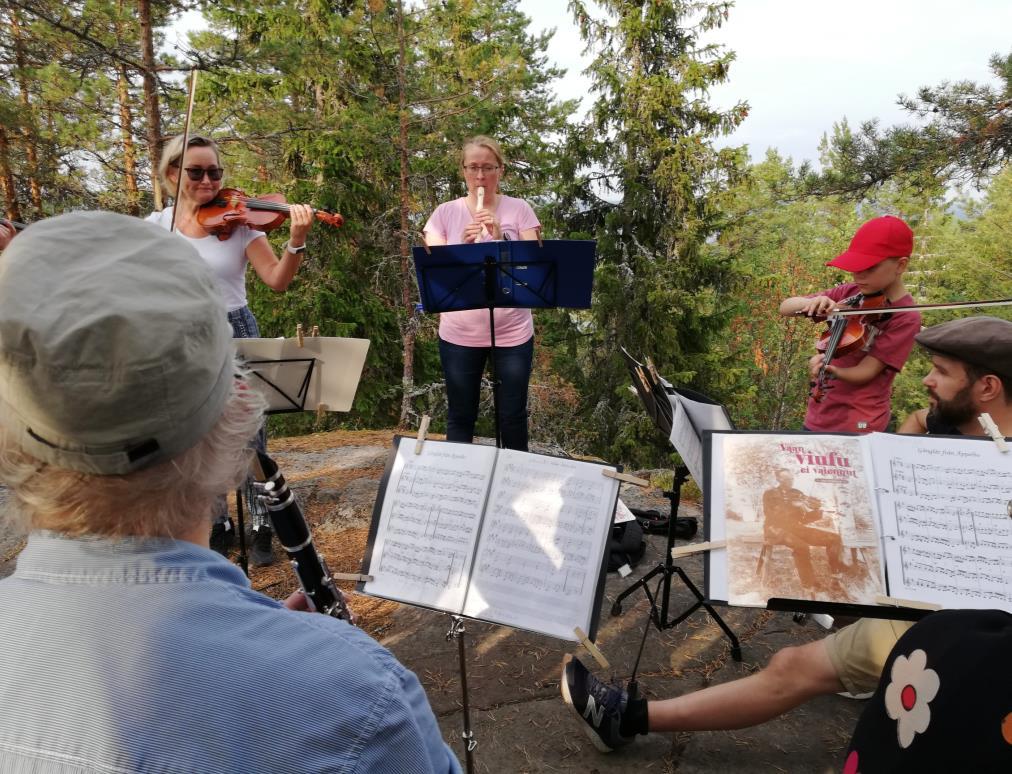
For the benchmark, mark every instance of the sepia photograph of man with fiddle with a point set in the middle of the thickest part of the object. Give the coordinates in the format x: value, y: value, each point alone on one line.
x: 228, y: 230
x: 789, y: 515
x: 859, y: 357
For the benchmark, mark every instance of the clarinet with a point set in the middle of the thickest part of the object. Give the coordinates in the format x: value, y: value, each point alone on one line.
x: 293, y: 533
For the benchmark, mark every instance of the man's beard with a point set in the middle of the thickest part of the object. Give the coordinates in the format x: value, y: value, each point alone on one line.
x: 954, y: 412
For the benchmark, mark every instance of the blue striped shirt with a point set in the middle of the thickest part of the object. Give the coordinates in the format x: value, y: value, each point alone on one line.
x: 140, y: 655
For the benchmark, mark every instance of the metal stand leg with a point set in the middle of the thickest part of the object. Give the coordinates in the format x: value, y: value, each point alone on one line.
x: 457, y: 630
x: 243, y: 562
x: 659, y: 616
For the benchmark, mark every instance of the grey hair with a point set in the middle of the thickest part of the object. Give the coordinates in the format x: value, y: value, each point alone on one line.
x: 167, y: 499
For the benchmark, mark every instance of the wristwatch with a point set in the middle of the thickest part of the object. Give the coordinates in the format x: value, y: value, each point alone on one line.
x: 295, y: 250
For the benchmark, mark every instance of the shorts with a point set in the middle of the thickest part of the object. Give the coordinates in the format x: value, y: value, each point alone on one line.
x: 859, y: 651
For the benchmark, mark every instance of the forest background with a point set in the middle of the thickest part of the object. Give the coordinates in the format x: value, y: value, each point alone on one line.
x: 362, y: 107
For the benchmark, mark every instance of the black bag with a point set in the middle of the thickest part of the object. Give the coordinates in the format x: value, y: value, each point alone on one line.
x: 626, y: 545
x: 655, y: 523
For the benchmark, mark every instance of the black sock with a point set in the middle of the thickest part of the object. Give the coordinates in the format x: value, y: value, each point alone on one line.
x: 634, y: 719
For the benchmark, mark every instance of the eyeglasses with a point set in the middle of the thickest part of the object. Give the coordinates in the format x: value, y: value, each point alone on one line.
x: 474, y: 169
x: 197, y: 173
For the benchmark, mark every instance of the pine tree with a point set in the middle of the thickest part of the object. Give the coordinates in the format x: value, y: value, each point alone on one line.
x: 650, y: 196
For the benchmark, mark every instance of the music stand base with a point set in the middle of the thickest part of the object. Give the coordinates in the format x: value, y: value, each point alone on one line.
x: 659, y: 616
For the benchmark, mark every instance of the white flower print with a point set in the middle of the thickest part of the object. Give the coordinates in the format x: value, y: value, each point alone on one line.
x: 907, y: 696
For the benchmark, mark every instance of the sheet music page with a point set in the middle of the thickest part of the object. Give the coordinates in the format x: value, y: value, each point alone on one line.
x: 798, y: 514
x: 690, y: 419
x: 685, y: 439
x: 946, y: 510
x: 429, y: 523
x: 542, y: 544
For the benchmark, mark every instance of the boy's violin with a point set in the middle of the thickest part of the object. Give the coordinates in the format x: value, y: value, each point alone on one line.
x: 845, y: 334
x: 231, y: 208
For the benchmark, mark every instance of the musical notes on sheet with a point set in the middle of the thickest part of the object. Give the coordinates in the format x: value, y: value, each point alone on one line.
x: 432, y: 510
x: 499, y: 535
x: 539, y: 555
x: 945, y: 515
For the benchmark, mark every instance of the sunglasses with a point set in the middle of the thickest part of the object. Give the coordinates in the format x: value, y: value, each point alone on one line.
x: 197, y: 173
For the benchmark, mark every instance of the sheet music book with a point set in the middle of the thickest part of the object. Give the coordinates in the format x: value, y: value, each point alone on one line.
x: 325, y: 371
x: 683, y: 414
x: 498, y: 535
x: 913, y: 517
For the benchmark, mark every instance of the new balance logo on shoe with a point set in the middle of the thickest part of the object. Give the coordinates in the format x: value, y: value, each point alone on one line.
x: 593, y: 713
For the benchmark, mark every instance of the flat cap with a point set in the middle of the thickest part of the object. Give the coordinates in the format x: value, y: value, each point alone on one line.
x: 115, y: 351
x: 981, y: 341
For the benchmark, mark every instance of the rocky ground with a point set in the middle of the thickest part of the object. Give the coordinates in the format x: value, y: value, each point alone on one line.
x: 517, y: 717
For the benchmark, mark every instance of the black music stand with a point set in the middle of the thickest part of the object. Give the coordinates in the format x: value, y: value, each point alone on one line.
x: 654, y: 394
x: 552, y: 273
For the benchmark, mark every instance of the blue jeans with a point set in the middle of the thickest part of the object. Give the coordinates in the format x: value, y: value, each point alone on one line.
x: 244, y: 326
x: 462, y: 369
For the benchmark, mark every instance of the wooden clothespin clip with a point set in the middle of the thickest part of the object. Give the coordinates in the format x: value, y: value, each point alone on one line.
x: 315, y: 332
x: 698, y: 548
x: 300, y: 335
x: 350, y: 576
x: 538, y: 232
x: 896, y: 602
x: 992, y: 430
x: 653, y: 371
x: 641, y: 375
x: 423, y: 428
x: 592, y: 649
x: 624, y: 477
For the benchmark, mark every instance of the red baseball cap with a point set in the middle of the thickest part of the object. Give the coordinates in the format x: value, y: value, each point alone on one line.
x: 876, y: 240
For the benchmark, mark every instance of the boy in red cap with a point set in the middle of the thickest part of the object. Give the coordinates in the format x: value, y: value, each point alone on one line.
x: 859, y: 400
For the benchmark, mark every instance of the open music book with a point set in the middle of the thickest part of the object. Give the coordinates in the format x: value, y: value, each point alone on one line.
x: 847, y: 518
x: 493, y: 534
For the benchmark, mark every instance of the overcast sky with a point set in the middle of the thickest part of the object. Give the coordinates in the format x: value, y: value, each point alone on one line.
x: 803, y: 64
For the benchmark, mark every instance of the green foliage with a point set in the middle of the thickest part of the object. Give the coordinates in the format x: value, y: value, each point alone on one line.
x: 964, y: 132
x: 649, y: 191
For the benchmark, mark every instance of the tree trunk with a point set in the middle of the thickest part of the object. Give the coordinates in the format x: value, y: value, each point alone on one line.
x: 27, y: 124
x: 153, y: 119
x: 7, y: 178
x: 409, y: 322
x: 127, y: 141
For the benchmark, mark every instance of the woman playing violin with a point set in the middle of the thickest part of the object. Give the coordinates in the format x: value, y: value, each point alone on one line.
x: 202, y: 174
x: 860, y: 397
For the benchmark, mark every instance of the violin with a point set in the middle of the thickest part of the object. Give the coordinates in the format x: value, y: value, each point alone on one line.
x: 231, y: 208
x: 845, y: 334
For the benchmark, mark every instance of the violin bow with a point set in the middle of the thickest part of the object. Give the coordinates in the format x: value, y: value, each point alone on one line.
x: 182, y: 153
x: 918, y: 307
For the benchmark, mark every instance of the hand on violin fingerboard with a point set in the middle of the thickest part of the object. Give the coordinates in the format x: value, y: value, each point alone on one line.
x: 6, y: 235
x: 815, y: 364
x: 301, y: 221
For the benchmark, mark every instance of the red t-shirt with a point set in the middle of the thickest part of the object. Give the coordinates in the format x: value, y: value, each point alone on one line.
x: 864, y: 408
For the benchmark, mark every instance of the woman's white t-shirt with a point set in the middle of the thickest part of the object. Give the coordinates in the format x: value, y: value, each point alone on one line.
x: 227, y: 258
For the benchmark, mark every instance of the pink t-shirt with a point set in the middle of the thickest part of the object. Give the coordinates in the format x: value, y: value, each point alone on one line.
x: 846, y: 406
x: 470, y: 328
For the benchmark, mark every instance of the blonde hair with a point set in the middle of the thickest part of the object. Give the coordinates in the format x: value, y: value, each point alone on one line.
x: 164, y: 500
x: 172, y: 156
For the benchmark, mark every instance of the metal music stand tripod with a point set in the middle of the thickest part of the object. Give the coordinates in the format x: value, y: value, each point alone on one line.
x: 654, y: 395
x: 487, y: 275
